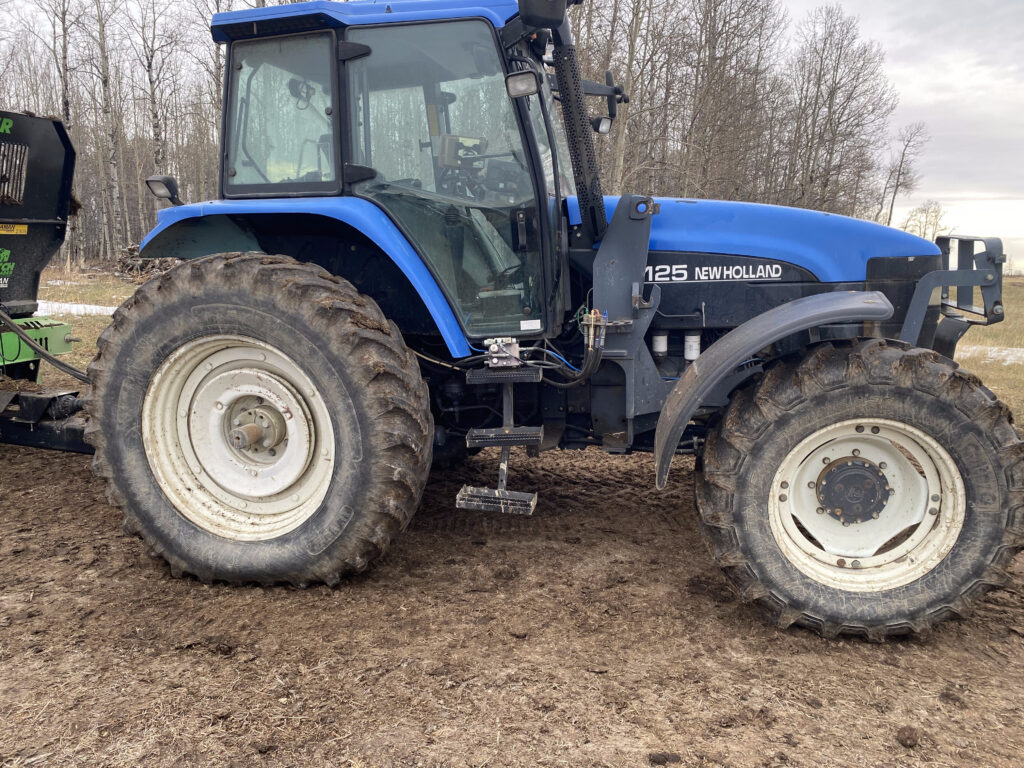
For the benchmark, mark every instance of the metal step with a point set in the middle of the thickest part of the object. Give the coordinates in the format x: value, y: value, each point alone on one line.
x: 502, y: 436
x: 525, y: 374
x: 493, y: 500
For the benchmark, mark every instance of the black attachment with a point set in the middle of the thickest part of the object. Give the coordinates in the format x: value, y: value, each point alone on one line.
x: 983, y: 270
x: 348, y: 50
x: 542, y: 13
x: 164, y: 188
x: 353, y: 173
x: 502, y: 436
x: 580, y: 135
x: 37, y: 163
x: 524, y: 374
x: 45, y: 419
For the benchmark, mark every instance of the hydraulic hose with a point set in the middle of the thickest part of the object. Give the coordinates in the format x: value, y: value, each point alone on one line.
x: 70, y: 370
x: 596, y: 325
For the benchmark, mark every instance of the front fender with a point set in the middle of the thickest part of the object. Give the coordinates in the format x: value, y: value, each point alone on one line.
x: 362, y: 215
x: 722, y: 358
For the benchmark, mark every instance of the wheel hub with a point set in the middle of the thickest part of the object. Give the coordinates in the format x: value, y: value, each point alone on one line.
x: 853, y: 490
x: 257, y: 429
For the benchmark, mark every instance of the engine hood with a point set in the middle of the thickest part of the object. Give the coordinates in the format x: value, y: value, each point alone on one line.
x: 833, y: 248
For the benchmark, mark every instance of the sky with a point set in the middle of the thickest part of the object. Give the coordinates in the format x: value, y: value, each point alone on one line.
x: 958, y: 66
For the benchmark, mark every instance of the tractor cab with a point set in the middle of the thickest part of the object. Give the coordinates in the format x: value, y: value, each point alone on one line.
x: 423, y: 126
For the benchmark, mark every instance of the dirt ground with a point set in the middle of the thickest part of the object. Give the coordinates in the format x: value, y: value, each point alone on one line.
x: 597, y: 633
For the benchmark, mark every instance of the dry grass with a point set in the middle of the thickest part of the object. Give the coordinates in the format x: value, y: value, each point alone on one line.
x: 1010, y: 332
x: 1004, y: 377
x: 84, y: 287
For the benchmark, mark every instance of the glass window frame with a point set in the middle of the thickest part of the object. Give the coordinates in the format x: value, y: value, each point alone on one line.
x: 550, y: 314
x: 229, y: 191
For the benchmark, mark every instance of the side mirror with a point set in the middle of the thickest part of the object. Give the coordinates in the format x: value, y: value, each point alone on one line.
x: 523, y: 83
x: 164, y: 187
x: 545, y: 14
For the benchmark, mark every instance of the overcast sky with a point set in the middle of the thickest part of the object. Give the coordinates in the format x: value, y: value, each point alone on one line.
x: 958, y: 66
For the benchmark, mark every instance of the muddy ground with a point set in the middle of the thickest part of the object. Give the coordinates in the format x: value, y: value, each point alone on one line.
x: 598, y: 633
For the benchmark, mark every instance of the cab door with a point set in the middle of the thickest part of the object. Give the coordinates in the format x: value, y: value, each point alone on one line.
x: 429, y: 114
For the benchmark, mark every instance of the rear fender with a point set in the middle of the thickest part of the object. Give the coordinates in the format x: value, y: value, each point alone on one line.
x: 193, y: 231
x: 722, y: 358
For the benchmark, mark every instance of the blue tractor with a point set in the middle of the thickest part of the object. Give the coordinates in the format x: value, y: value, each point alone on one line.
x: 411, y: 259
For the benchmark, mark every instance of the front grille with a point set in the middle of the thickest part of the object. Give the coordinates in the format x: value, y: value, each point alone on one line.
x: 13, y: 165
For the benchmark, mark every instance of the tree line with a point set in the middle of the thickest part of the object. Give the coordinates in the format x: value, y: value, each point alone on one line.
x: 730, y: 99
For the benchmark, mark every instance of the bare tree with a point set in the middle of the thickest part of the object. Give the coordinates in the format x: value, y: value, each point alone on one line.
x: 926, y: 220
x: 840, y: 112
x: 902, y: 176
x: 154, y: 38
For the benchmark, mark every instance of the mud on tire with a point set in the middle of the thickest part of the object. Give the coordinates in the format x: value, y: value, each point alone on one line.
x: 960, y: 490
x: 333, y: 364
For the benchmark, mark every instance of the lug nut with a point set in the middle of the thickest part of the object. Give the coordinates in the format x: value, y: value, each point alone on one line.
x: 785, y: 484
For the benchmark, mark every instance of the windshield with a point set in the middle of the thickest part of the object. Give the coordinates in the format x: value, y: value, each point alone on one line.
x: 431, y: 116
x: 281, y: 111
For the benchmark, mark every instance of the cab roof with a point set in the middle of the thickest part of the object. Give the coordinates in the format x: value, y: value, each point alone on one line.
x: 300, y: 17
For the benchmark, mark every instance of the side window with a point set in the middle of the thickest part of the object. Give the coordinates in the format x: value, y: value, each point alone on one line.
x: 281, y: 124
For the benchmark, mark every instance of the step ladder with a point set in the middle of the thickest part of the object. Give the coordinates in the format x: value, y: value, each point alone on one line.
x: 501, y: 499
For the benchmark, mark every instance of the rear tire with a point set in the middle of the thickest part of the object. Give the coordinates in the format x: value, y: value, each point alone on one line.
x: 871, y: 489
x: 259, y: 420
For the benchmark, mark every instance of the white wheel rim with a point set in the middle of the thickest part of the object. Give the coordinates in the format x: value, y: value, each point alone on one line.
x: 872, y: 520
x: 238, y: 437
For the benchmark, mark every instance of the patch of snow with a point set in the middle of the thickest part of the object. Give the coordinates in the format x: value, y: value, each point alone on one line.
x: 62, y: 308
x: 63, y: 282
x: 1004, y: 355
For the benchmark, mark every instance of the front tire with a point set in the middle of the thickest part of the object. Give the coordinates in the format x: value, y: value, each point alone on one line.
x: 258, y: 420
x: 870, y: 489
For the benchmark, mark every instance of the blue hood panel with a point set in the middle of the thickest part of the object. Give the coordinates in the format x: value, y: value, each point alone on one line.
x: 834, y: 248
